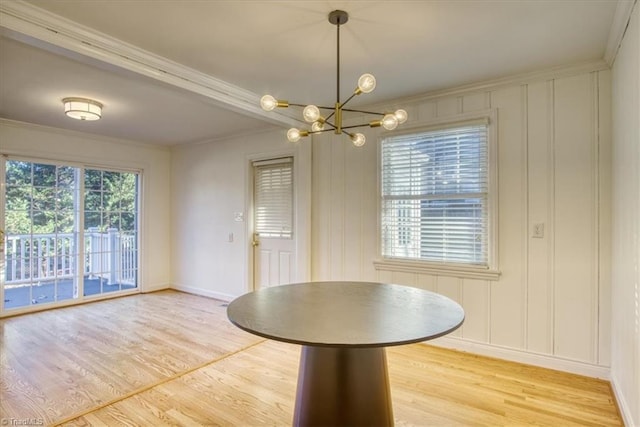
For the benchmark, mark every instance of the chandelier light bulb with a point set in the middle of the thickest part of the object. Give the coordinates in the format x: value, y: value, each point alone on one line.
x: 317, y: 126
x: 268, y: 103
x: 401, y: 116
x: 366, y: 83
x: 389, y: 122
x: 311, y: 113
x: 293, y: 135
x: 358, y: 139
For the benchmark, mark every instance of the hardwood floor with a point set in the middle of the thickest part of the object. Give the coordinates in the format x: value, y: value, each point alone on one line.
x: 60, y: 362
x: 170, y: 358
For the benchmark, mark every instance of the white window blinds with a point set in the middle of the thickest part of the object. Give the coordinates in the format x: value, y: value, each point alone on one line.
x: 273, y: 198
x: 435, y: 196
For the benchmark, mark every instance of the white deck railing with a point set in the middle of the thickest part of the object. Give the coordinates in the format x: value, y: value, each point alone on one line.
x: 40, y: 257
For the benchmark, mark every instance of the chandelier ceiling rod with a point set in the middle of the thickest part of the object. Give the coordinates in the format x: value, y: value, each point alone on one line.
x: 338, y: 17
x: 311, y: 113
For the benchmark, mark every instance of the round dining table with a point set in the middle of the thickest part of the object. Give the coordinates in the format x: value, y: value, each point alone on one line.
x: 343, y: 328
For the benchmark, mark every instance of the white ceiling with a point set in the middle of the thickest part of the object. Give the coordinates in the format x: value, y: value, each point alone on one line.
x: 288, y: 49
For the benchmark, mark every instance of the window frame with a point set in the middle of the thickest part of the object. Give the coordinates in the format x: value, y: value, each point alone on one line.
x: 274, y: 163
x: 463, y: 270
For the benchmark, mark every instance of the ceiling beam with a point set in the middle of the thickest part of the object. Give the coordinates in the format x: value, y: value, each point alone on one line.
x: 40, y: 28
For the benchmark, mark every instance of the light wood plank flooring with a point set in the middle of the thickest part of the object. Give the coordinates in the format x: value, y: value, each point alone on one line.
x: 170, y: 358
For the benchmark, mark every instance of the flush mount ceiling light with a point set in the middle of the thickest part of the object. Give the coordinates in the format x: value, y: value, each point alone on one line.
x: 82, y: 108
x: 333, y: 121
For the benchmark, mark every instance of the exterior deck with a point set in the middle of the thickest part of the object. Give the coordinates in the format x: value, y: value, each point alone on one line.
x: 45, y: 292
x: 43, y: 268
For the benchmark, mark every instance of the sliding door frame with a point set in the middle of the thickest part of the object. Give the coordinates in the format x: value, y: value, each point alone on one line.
x: 82, y: 166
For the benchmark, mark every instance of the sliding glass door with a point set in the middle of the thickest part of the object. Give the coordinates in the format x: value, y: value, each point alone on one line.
x: 111, y: 232
x: 69, y: 232
x: 41, y: 233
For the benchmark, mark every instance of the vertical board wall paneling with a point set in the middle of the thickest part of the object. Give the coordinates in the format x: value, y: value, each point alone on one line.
x: 320, y: 217
x: 385, y: 276
x: 553, y: 170
x: 426, y: 111
x: 595, y: 216
x: 474, y: 102
x: 353, y: 198
x: 451, y: 287
x: 507, y: 294
x: 446, y: 107
x: 604, y: 223
x: 404, y: 278
x: 370, y: 207
x: 625, y: 243
x: 475, y: 294
x: 524, y: 202
x: 551, y: 209
x: 574, y: 217
x: 337, y: 205
x: 427, y: 281
x: 539, y: 307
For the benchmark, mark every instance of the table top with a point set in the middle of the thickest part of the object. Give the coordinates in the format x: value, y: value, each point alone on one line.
x: 346, y: 314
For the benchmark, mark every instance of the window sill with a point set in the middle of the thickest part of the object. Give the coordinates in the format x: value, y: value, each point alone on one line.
x: 436, y: 269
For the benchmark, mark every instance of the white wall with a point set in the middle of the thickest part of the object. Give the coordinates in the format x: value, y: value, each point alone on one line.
x: 21, y: 139
x: 210, y: 184
x: 551, y: 304
x: 625, y: 360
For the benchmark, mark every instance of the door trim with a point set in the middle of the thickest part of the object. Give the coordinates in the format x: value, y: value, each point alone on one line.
x: 301, y: 155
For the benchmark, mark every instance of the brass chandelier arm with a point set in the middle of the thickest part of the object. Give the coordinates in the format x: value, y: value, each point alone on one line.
x: 348, y: 99
x: 304, y: 105
x: 351, y: 110
x: 313, y: 132
x: 358, y: 126
x: 364, y: 112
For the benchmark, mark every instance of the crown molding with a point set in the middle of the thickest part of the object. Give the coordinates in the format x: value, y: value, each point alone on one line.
x: 493, y: 84
x: 227, y: 137
x: 9, y: 123
x: 619, y: 26
x: 43, y: 29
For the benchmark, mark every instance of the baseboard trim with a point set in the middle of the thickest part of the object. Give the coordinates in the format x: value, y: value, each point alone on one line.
x: 203, y: 292
x: 623, y: 406
x: 155, y: 287
x: 529, y: 358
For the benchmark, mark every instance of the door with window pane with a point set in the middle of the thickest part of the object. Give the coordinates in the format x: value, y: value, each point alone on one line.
x: 111, y: 231
x: 69, y: 232
x: 274, y: 246
x: 41, y: 239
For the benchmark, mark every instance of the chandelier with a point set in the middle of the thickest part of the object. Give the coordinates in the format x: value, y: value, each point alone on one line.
x: 333, y: 121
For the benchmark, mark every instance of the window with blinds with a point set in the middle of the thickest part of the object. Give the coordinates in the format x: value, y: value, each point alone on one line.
x: 273, y: 198
x: 435, y: 189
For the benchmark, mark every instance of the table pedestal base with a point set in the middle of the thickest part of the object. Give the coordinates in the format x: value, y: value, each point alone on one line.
x: 343, y: 386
